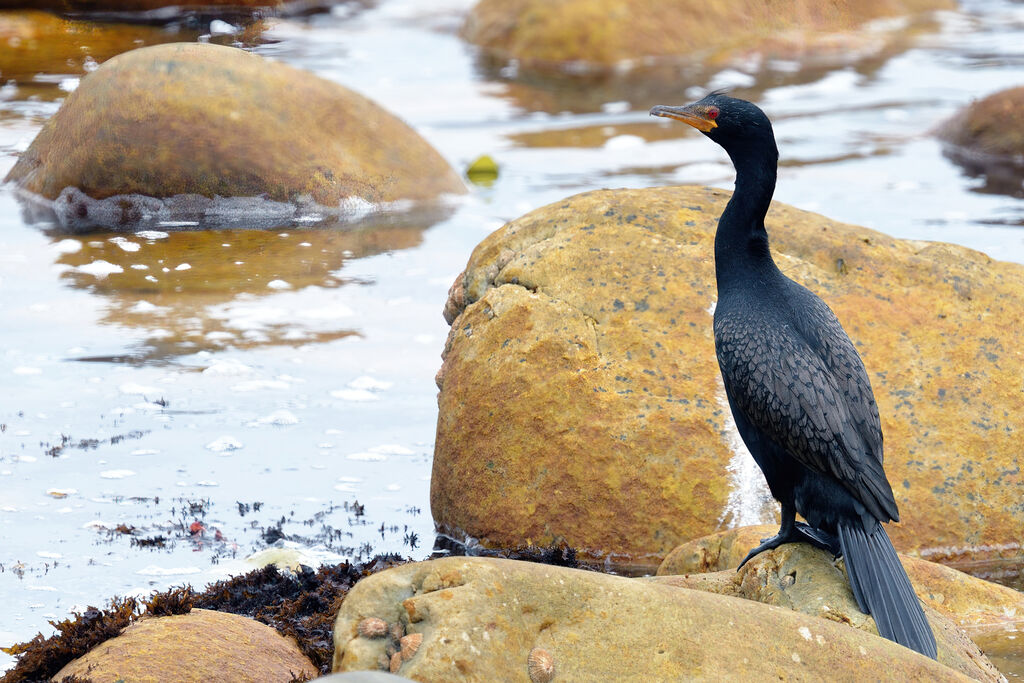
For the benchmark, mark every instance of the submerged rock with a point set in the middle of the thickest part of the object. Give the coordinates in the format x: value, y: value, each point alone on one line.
x: 805, y: 579
x: 987, y: 139
x: 155, y: 132
x: 587, y: 36
x: 581, y: 402
x: 198, y: 646
x: 485, y: 618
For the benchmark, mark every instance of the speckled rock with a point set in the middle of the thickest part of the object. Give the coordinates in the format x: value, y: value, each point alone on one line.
x: 481, y: 619
x: 800, y: 577
x: 588, y: 35
x: 205, y: 120
x: 972, y: 603
x: 199, y: 646
x: 581, y: 402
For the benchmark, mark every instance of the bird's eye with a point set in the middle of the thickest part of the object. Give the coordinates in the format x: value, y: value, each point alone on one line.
x: 713, y: 113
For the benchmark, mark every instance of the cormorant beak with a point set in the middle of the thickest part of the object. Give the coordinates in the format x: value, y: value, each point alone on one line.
x: 695, y: 115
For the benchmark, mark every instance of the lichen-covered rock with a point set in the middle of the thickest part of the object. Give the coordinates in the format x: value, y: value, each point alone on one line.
x: 973, y: 603
x: 803, y: 578
x: 481, y: 619
x: 205, y: 121
x: 581, y: 402
x: 199, y: 646
x: 603, y: 34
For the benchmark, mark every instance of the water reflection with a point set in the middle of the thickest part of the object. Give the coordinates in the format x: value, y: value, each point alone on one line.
x: 744, y: 73
x: 44, y: 55
x: 997, y: 175
x: 242, y: 289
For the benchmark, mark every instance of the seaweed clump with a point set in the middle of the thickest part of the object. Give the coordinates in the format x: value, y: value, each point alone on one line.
x: 302, y: 605
x: 41, y: 658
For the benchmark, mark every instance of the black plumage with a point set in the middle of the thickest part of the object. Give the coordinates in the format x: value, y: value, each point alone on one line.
x: 797, y: 387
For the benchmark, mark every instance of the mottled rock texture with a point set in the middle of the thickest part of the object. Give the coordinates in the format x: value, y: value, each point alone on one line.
x: 207, y: 120
x: 482, y: 618
x: 581, y: 402
x: 199, y: 646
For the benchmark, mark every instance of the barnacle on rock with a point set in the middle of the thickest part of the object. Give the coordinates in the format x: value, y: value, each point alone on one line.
x: 372, y: 627
x: 541, y: 665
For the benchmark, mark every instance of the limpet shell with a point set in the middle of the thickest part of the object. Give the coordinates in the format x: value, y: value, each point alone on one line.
x: 372, y: 627
x: 410, y: 644
x: 396, y: 662
x: 541, y: 665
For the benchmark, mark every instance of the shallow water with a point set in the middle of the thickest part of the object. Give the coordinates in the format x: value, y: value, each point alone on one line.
x: 263, y: 383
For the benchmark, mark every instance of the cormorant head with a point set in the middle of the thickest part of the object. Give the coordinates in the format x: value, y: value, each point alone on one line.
x: 737, y: 125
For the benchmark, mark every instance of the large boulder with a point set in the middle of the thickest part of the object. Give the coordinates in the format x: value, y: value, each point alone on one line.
x: 584, y: 35
x: 477, y: 619
x: 581, y: 402
x: 972, y: 603
x: 803, y: 578
x: 197, y: 121
x: 199, y: 646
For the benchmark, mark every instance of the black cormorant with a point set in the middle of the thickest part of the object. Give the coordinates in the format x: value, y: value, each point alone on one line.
x: 797, y: 387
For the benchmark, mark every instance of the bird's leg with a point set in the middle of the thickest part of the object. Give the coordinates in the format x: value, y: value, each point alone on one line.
x: 787, y: 534
x: 792, y: 531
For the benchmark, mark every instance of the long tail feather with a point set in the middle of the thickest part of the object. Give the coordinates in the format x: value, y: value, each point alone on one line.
x: 882, y: 588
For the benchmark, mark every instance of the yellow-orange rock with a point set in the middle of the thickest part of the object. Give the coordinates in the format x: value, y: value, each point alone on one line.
x: 200, y: 119
x: 199, y: 646
x: 581, y: 402
x: 481, y: 618
x: 602, y: 34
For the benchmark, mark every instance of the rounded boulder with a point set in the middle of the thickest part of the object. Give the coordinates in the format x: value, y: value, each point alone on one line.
x: 211, y: 121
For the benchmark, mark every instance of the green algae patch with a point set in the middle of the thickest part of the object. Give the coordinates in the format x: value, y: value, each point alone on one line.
x: 214, y: 121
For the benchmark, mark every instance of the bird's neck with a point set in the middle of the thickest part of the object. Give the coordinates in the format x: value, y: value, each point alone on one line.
x: 741, y: 242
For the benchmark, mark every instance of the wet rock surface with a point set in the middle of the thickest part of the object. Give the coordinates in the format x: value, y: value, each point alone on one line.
x: 165, y: 129
x: 580, y: 400
x: 583, y: 36
x: 479, y: 616
x: 806, y: 579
